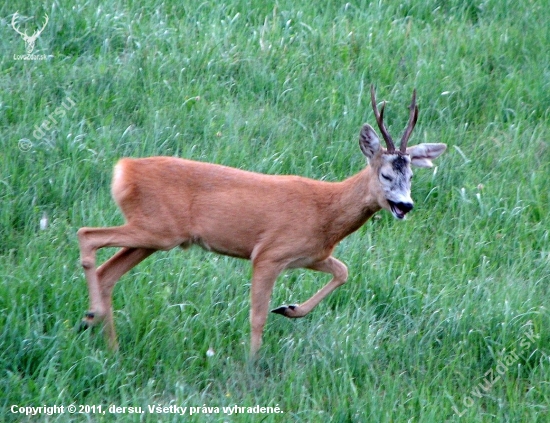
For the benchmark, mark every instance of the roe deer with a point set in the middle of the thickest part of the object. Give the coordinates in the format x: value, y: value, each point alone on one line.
x: 277, y: 222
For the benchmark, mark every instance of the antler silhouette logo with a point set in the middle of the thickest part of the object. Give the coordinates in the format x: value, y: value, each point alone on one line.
x: 29, y: 40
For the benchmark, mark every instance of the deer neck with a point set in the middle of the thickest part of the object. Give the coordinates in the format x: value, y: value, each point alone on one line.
x: 356, y: 202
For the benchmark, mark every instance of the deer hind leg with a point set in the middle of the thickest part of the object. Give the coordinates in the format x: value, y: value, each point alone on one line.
x: 107, y: 275
x: 339, y: 273
x: 138, y: 244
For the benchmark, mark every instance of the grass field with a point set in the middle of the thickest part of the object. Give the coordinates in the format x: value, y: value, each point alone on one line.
x: 445, y: 315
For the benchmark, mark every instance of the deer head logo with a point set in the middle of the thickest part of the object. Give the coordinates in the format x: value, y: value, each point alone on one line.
x: 29, y: 40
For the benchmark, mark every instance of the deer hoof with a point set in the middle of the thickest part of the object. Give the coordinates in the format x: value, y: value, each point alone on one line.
x: 286, y: 310
x: 90, y: 319
x: 83, y: 325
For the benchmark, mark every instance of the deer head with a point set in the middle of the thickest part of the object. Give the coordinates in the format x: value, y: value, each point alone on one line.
x: 29, y: 40
x: 393, y: 167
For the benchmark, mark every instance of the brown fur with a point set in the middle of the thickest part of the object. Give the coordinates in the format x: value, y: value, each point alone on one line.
x: 277, y: 222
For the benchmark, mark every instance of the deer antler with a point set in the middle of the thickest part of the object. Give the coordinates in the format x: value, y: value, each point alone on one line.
x: 24, y: 34
x: 37, y: 33
x: 410, y: 126
x: 380, y: 120
x: 13, y: 25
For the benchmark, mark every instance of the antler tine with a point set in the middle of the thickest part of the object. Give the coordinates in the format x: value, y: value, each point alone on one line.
x: 380, y: 121
x: 410, y: 126
x: 13, y: 24
x: 45, y: 23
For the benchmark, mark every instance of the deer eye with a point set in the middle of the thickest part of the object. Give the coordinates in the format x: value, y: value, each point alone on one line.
x: 386, y: 177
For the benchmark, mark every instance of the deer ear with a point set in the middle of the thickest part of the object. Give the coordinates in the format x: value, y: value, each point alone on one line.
x: 423, y: 154
x: 368, y: 141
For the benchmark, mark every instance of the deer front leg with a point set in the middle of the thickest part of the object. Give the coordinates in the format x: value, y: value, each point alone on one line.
x: 264, y: 275
x: 339, y: 273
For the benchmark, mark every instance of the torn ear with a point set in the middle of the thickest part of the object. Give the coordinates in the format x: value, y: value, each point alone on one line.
x: 369, y: 141
x: 423, y: 154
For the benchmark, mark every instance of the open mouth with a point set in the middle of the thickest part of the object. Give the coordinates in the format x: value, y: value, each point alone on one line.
x: 399, y: 210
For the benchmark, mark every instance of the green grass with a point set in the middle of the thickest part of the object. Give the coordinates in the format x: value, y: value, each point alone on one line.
x: 432, y: 305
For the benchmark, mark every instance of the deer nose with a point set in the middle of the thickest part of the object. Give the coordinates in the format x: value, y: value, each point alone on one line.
x: 400, y: 209
x: 405, y: 207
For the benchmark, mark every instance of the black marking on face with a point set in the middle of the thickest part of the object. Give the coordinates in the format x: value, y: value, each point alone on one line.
x: 396, y: 173
x: 399, y: 164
